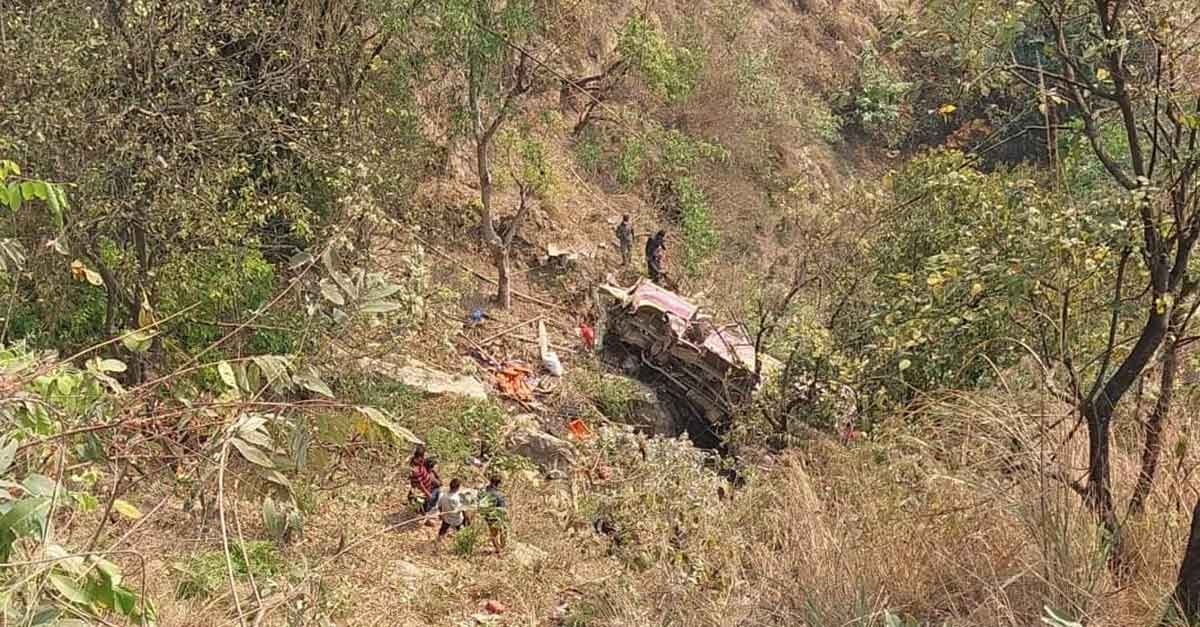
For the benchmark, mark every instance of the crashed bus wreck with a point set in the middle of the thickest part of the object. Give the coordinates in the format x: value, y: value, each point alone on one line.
x: 708, y: 371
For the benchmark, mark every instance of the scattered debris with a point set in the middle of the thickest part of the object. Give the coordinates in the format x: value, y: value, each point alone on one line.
x: 512, y: 379
x: 552, y: 364
x: 500, y: 334
x: 579, y: 429
x: 476, y: 317
x: 561, y: 257
x: 550, y: 359
x: 494, y: 607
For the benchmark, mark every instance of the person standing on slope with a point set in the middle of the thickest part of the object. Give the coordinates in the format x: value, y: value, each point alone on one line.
x: 625, y: 239
x: 494, y: 509
x: 656, y: 252
x: 450, y: 505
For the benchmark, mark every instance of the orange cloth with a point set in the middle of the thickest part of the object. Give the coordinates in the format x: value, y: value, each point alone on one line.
x: 579, y: 429
x: 513, y: 383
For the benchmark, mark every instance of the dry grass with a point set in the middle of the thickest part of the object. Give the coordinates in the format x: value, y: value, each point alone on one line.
x: 923, y: 519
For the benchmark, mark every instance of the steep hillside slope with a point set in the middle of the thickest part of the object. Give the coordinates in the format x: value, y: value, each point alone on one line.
x: 753, y: 142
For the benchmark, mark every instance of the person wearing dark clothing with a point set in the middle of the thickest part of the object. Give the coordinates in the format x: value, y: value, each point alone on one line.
x: 625, y: 239
x: 435, y: 492
x: 656, y: 250
x: 494, y: 509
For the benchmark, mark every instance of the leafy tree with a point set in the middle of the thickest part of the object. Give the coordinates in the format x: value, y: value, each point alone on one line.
x: 1125, y: 71
x: 181, y: 126
x: 1110, y: 74
x: 974, y: 276
x: 485, y: 45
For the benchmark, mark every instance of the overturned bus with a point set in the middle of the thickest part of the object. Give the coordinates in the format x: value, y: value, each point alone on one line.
x: 707, y: 371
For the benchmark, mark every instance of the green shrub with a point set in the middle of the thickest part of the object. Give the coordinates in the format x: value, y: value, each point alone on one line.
x: 671, y: 71
x: 700, y: 238
x: 680, y: 152
x: 880, y: 98
x: 629, y: 161
x: 815, y: 116
x: 583, y: 614
x: 612, y: 395
x: 473, y: 429
x: 465, y: 541
x: 204, y: 573
x: 225, y: 283
x: 759, y: 87
x: 589, y: 154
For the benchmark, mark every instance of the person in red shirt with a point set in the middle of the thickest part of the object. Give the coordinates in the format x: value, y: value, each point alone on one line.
x: 419, y: 478
x: 588, y: 334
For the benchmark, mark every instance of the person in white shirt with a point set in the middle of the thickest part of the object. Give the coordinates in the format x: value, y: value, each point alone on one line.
x: 450, y: 505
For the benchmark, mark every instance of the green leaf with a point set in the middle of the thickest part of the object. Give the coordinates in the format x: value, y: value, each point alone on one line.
x: 111, y: 365
x: 127, y: 509
x: 227, y: 376
x: 13, y: 521
x: 398, y: 433
x: 243, y: 377
x: 312, y: 382
x: 380, y: 306
x: 252, y: 454
x: 255, y: 437
x: 125, y: 601
x: 111, y: 571
x: 39, y: 485
x: 380, y: 292
x: 52, y: 200
x: 57, y: 190
x: 137, y: 341
x: 331, y: 292
x: 344, y: 282
x: 276, y: 477
x: 274, y: 367
x: 7, y: 453
x: 85, y: 501
x: 14, y: 197
x: 73, y: 564
x: 70, y: 590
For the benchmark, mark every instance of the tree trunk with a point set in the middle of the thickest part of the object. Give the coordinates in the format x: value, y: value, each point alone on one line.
x: 1099, y: 486
x: 503, y: 280
x: 1098, y: 412
x: 1187, y: 586
x: 1154, y: 429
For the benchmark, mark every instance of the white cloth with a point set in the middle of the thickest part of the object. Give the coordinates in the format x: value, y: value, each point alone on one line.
x: 451, y: 508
